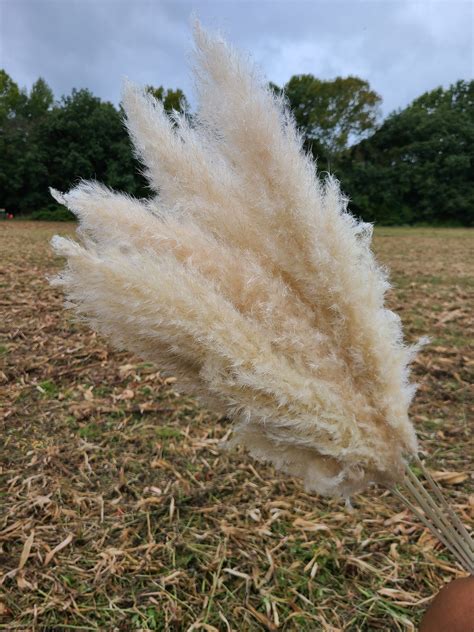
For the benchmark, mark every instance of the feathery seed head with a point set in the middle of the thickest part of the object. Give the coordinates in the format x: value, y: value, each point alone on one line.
x: 247, y: 279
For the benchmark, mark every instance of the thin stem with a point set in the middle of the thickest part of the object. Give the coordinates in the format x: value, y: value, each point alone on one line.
x: 437, y: 515
x: 438, y: 534
x: 439, y: 494
x: 446, y: 530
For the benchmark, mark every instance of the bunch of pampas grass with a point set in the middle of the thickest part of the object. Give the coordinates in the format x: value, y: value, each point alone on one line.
x: 247, y: 279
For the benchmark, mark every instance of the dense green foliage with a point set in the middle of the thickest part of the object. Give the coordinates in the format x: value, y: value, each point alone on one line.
x: 416, y: 167
x: 332, y: 113
x: 419, y: 165
x: 45, y: 144
x: 171, y: 99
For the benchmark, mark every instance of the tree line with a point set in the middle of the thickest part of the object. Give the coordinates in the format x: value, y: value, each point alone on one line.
x: 416, y: 166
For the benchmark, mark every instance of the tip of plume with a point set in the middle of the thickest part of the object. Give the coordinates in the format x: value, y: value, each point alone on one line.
x: 138, y: 102
x: 365, y: 231
x: 198, y: 31
x: 422, y: 342
x: 207, y: 41
x: 128, y: 86
x: 57, y: 195
x: 130, y: 92
x: 63, y: 246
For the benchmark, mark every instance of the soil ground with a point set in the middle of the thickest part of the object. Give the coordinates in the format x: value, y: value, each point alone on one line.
x: 119, y: 511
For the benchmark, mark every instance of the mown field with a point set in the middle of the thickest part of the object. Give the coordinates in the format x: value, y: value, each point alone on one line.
x: 119, y: 511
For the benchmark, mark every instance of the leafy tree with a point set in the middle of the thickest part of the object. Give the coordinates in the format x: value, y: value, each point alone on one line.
x: 419, y: 166
x: 171, y: 99
x: 40, y: 99
x: 46, y: 144
x: 84, y: 137
x: 43, y: 143
x: 20, y: 163
x: 332, y: 114
x: 11, y: 97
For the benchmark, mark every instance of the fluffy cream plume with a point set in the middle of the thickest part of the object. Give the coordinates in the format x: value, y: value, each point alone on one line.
x: 247, y: 278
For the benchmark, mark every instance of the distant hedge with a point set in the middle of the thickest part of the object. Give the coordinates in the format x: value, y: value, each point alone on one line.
x: 416, y: 167
x: 53, y: 214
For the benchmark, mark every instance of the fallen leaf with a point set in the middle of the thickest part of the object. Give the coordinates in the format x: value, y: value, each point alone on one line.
x: 57, y: 548
x: 309, y: 525
x: 450, y: 478
x: 25, y: 554
x: 402, y: 597
x: 3, y: 609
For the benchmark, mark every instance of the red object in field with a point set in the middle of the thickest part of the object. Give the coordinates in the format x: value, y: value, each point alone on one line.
x: 10, y: 216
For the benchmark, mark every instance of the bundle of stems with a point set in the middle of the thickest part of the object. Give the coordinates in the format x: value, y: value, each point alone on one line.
x: 429, y: 505
x: 245, y: 276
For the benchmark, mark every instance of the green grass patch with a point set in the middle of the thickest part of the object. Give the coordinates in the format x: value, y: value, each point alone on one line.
x: 48, y: 388
x: 167, y: 432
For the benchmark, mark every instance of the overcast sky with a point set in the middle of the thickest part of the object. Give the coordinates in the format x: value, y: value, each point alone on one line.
x: 403, y: 47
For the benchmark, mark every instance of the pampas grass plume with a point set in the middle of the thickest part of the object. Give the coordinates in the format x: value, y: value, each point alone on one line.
x: 246, y: 277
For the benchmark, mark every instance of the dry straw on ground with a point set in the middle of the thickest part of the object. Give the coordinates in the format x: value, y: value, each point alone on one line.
x: 167, y: 530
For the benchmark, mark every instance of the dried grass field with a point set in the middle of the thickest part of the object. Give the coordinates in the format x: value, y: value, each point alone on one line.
x: 119, y: 511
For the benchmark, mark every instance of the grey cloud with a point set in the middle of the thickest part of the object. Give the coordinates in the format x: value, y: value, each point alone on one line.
x: 402, y: 47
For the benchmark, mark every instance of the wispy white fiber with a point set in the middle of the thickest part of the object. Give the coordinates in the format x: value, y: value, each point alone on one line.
x: 247, y: 278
